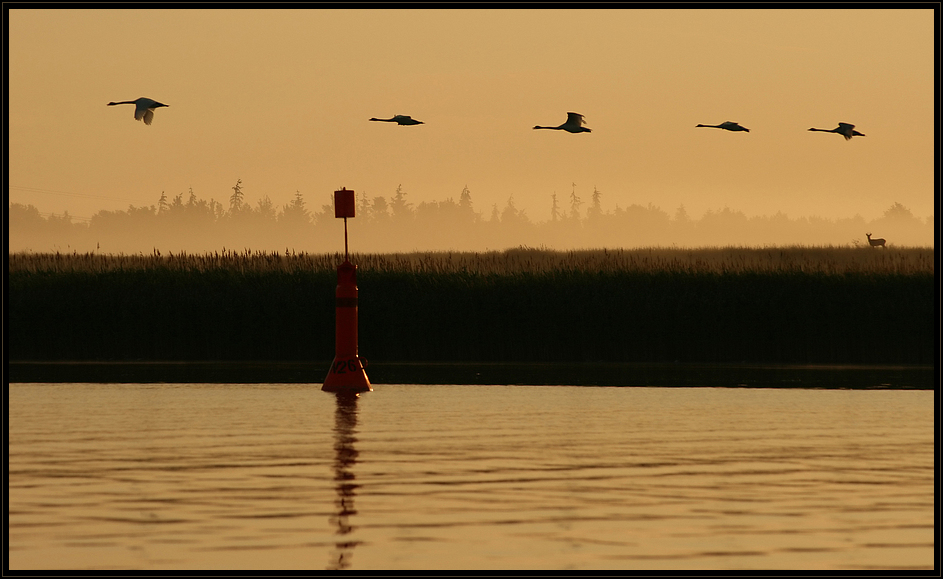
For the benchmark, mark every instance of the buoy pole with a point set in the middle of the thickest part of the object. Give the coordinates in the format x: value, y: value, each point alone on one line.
x: 347, y: 374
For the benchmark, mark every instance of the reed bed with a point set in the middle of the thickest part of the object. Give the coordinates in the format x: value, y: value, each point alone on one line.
x: 723, y: 305
x: 825, y: 259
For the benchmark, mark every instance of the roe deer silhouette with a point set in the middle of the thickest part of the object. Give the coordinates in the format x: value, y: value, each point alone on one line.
x: 876, y: 242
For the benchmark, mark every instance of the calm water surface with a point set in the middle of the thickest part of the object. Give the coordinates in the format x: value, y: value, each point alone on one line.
x: 187, y: 476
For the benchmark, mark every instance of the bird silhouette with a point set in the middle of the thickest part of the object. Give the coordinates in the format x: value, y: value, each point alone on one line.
x: 727, y: 125
x: 143, y: 108
x: 574, y: 124
x: 844, y: 129
x: 400, y: 120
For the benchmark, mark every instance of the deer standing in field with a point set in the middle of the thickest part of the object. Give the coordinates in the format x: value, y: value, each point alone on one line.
x: 876, y: 242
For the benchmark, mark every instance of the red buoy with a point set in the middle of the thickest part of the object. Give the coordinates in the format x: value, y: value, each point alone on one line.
x: 347, y: 373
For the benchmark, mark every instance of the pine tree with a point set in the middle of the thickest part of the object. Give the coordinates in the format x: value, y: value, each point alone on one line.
x: 554, y: 209
x: 235, y: 200
x: 596, y: 209
x: 575, y: 204
x: 400, y: 208
x: 295, y: 213
x: 465, y: 200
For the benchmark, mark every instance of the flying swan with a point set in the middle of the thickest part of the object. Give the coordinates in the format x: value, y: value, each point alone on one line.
x: 844, y: 129
x: 574, y: 124
x: 143, y: 108
x: 727, y: 125
x: 400, y: 120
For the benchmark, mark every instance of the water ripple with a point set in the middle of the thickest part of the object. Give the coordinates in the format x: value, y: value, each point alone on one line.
x: 409, y: 477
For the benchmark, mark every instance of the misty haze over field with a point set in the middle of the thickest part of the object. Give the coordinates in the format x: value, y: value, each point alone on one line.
x: 186, y: 223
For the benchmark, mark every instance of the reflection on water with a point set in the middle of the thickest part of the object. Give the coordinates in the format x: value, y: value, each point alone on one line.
x: 284, y: 476
x: 345, y: 424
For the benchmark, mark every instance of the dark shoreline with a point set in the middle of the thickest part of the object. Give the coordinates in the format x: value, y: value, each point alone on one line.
x: 848, y: 376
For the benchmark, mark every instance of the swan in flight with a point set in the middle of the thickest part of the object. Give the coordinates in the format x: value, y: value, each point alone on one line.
x: 143, y: 108
x: 400, y: 120
x: 574, y: 124
x: 727, y: 125
x: 844, y: 129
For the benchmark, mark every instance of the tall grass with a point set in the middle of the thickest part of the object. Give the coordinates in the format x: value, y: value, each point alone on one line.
x: 789, y: 305
x: 826, y: 259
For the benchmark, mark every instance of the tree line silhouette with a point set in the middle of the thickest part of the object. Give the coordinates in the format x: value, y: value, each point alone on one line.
x: 195, y: 225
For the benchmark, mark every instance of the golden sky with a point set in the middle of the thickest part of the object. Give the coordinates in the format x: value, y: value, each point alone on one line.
x: 280, y: 99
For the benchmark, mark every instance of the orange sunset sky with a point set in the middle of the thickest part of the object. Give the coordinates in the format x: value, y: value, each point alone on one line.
x: 281, y: 100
